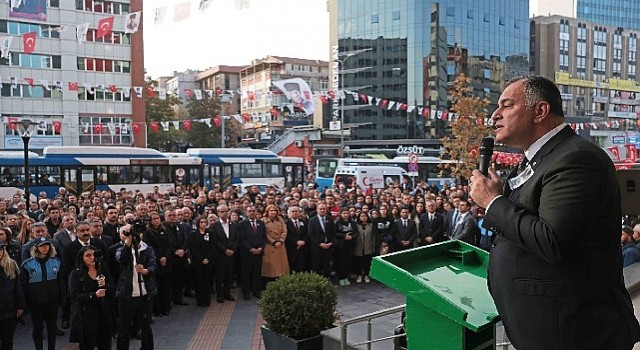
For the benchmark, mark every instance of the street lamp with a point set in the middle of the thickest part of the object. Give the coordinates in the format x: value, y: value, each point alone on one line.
x: 224, y: 98
x: 343, y: 71
x: 26, y: 128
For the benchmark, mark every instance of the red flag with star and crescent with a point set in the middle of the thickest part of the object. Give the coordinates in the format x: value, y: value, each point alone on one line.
x: 29, y: 81
x: 29, y: 42
x: 73, y: 86
x: 105, y: 26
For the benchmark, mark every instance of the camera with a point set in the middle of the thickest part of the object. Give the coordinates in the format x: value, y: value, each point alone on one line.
x: 138, y: 226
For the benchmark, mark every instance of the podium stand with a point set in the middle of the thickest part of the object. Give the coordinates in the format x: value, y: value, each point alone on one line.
x: 448, y: 302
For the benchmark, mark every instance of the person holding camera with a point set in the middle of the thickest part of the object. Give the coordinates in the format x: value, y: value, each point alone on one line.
x: 136, y: 286
x: 91, y: 289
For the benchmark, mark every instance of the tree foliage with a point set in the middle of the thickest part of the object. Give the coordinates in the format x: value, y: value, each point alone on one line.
x: 200, y: 134
x: 467, y: 130
x: 159, y: 111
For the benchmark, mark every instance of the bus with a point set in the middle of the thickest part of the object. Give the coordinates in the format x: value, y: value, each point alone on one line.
x: 428, y: 169
x: 81, y: 169
x: 235, y: 166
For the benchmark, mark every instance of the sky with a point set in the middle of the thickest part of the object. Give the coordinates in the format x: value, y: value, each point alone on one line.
x: 222, y: 35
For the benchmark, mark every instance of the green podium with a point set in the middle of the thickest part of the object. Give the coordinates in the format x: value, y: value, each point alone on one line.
x: 448, y: 302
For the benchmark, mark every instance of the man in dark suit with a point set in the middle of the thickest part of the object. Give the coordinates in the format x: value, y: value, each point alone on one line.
x: 555, y: 271
x: 96, y: 233
x: 179, y: 256
x: 406, y: 231
x: 296, y: 240
x: 225, y: 239
x: 466, y: 229
x: 253, y: 237
x: 431, y: 228
x: 321, y: 235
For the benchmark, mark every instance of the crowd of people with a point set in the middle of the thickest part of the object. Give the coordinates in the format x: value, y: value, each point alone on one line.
x: 111, y: 261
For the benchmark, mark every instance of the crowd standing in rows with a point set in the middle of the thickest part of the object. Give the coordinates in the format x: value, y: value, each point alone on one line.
x: 88, y: 258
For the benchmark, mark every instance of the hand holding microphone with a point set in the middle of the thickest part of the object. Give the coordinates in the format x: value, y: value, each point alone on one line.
x: 485, y: 184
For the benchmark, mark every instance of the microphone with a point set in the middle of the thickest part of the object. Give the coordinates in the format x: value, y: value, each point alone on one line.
x: 486, y: 151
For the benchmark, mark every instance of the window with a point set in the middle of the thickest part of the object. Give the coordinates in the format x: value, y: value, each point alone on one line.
x: 44, y: 128
x: 103, y: 65
x: 487, y: 17
x: 501, y: 21
x: 451, y: 11
x: 470, y: 14
x: 32, y: 61
x: 26, y: 91
x: 374, y: 19
x: 395, y: 15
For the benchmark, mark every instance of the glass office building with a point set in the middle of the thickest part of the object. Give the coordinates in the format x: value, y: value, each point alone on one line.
x: 617, y: 13
x: 410, y: 51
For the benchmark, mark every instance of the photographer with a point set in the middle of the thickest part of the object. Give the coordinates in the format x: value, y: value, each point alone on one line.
x: 135, y: 286
x: 91, y: 289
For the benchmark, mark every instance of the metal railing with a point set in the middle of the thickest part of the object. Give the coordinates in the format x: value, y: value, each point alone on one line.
x: 368, y: 318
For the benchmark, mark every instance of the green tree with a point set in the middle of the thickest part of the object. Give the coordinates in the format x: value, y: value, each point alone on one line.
x: 467, y: 130
x: 160, y: 111
x: 202, y: 136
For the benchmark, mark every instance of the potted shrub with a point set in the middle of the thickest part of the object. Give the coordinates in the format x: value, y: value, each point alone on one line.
x: 296, y: 308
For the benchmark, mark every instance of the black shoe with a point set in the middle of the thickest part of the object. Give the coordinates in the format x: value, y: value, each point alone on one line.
x: 65, y: 324
x: 257, y: 295
x: 246, y: 296
x: 229, y: 297
x: 137, y: 334
x: 220, y: 300
x: 59, y: 332
x: 180, y: 302
x: 157, y: 314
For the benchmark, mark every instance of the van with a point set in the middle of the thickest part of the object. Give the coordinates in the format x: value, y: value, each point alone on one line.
x: 366, y: 175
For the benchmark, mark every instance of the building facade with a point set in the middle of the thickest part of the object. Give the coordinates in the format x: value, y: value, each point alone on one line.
x: 411, y: 51
x: 269, y: 109
x: 595, y: 67
x: 223, y: 80
x: 615, y: 13
x: 78, y: 87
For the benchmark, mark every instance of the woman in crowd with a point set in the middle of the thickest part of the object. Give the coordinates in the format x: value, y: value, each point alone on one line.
x: 201, y: 247
x: 12, y: 246
x: 44, y: 289
x: 345, y: 232
x: 415, y: 216
x: 158, y: 239
x: 385, y: 227
x: 366, y: 246
x: 274, y: 262
x: 25, y: 234
x: 12, y: 303
x: 91, y: 292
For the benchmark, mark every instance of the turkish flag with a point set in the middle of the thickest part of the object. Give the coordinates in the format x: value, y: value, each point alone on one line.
x: 615, y: 151
x: 136, y: 128
x: 632, y: 153
x: 363, y: 97
x: 246, y: 117
x: 113, y: 88
x: 218, y: 91
x: 151, y: 92
x: 324, y: 100
x: 29, y: 42
x: 425, y: 112
x: 217, y: 121
x: 13, y: 123
x: 384, y: 104
x: 274, y: 112
x: 444, y: 115
x: 73, y: 86
x: 57, y: 126
x: 187, y: 125
x: 29, y: 80
x: 154, y: 127
x: 404, y: 107
x: 105, y: 26
x: 98, y: 128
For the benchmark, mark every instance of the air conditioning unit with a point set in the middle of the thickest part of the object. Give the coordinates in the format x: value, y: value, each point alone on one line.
x: 299, y: 143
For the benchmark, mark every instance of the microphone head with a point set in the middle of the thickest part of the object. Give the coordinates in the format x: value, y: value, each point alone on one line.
x: 486, y: 145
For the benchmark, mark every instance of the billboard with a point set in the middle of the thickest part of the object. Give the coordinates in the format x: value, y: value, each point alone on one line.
x: 31, y: 9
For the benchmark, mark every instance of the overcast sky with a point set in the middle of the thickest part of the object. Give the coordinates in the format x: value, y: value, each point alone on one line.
x: 224, y: 35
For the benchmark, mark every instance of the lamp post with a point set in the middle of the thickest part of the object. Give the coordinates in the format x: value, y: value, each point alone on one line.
x: 224, y: 98
x: 343, y: 71
x: 25, y: 128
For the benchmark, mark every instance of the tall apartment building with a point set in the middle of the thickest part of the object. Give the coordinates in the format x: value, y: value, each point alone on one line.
x: 615, y: 13
x: 411, y: 51
x: 80, y: 93
x: 270, y: 110
x: 595, y: 67
x: 225, y: 80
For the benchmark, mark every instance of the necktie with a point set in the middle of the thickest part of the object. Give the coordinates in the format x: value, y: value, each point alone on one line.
x: 322, y: 222
x: 253, y: 225
x: 430, y: 217
x: 455, y: 216
x: 295, y: 223
x: 404, y: 222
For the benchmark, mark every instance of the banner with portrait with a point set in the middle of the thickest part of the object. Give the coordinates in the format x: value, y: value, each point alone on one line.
x: 31, y: 9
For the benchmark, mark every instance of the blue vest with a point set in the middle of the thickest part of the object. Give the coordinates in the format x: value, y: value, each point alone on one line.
x: 37, y: 274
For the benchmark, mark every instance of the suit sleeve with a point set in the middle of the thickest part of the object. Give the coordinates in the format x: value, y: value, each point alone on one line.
x: 574, y: 188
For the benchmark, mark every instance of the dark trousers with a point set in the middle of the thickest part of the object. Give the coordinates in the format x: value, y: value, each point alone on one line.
x: 178, y: 279
x: 103, y: 336
x: 362, y: 264
x: 321, y: 261
x: 130, y: 309
x: 224, y: 275
x: 297, y: 258
x: 41, y: 314
x: 342, y: 260
x: 202, y: 286
x: 251, y: 274
x: 7, y: 328
x: 162, y: 301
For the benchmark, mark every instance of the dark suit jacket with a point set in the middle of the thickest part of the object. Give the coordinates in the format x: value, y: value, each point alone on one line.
x: 71, y: 254
x: 294, y: 235
x: 555, y: 271
x: 316, y: 235
x: 405, y: 234
x: 433, y: 229
x: 251, y: 239
x: 467, y: 230
x: 448, y: 221
x: 220, y: 240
